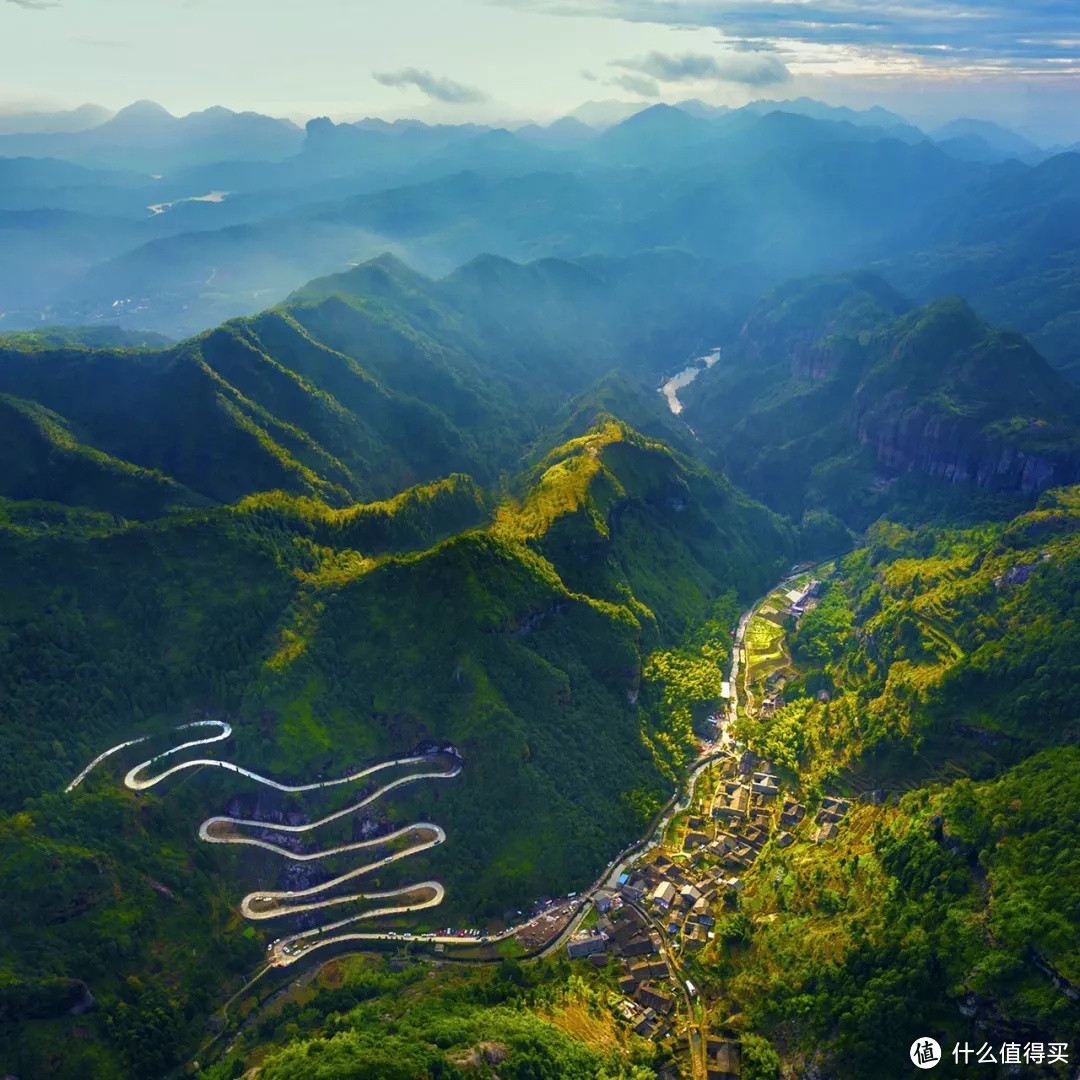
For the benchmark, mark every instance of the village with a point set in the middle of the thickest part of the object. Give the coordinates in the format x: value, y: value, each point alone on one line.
x: 654, y: 921
x: 659, y: 917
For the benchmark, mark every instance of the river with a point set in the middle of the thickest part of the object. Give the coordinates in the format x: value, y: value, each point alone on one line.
x: 671, y: 388
x: 209, y: 197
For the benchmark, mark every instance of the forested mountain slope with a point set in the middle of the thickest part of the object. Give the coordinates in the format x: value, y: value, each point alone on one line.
x: 948, y: 643
x: 359, y: 385
x: 935, y: 691
x: 836, y: 396
x: 936, y: 687
x: 1011, y: 247
x: 394, y: 510
x: 332, y: 638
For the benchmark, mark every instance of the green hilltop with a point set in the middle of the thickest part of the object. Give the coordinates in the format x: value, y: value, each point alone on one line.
x: 359, y: 386
x: 394, y: 511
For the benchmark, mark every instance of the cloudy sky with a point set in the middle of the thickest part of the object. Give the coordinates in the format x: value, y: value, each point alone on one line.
x: 1017, y: 61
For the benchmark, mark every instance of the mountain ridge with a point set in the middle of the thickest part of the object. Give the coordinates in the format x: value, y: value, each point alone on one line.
x: 855, y: 392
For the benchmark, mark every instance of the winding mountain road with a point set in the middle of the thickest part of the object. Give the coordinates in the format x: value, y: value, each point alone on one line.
x: 264, y: 904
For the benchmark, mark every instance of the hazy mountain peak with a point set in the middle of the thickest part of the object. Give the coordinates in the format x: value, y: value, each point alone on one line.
x: 660, y: 114
x: 570, y: 124
x: 377, y: 123
x: 487, y: 267
x: 144, y: 110
x: 52, y: 123
x: 565, y: 132
x: 873, y: 117
x: 701, y: 109
x: 602, y: 114
x: 999, y: 138
x: 373, y: 276
x: 215, y: 110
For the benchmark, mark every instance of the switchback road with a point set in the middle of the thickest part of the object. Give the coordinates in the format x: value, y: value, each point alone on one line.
x: 264, y: 904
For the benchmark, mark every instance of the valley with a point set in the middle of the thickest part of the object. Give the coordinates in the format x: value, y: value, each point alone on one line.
x: 490, y: 599
x: 585, y: 635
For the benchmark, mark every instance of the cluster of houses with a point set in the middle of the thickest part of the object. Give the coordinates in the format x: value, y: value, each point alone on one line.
x: 726, y: 839
x: 832, y: 812
x: 678, y: 893
x: 623, y: 933
x: 742, y: 810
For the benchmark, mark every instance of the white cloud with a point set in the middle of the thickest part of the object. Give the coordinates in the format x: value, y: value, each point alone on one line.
x: 435, y: 86
x: 747, y: 68
x: 1006, y: 35
x: 637, y: 84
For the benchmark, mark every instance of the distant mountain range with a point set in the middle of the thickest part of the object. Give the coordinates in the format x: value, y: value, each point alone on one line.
x: 53, y: 123
x: 146, y: 137
x: 986, y: 141
x: 837, y: 395
x: 105, y: 138
x: 246, y: 207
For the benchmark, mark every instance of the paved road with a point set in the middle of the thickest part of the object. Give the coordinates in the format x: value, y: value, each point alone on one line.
x: 263, y: 904
x: 137, y: 782
x: 100, y: 758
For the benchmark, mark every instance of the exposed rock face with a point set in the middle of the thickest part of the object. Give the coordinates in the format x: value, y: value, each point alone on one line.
x: 1016, y: 575
x: 909, y: 439
x: 494, y: 1053
x: 84, y: 1000
x: 833, y: 391
x: 483, y: 1054
x: 368, y: 827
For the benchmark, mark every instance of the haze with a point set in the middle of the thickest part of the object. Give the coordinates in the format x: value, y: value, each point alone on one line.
x: 506, y: 61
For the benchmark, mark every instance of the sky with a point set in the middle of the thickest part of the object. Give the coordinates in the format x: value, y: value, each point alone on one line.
x: 506, y: 61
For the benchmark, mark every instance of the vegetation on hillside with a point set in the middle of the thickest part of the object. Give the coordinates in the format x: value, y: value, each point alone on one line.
x: 941, y: 661
x: 396, y: 1021
x: 562, y: 641
x: 835, y: 399
x: 391, y: 512
x: 954, y: 645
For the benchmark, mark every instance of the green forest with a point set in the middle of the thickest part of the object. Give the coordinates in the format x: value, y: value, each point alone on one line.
x: 384, y: 516
x: 934, y: 683
x: 517, y: 629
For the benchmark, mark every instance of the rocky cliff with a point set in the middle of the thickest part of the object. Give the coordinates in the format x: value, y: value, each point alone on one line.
x: 833, y: 392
